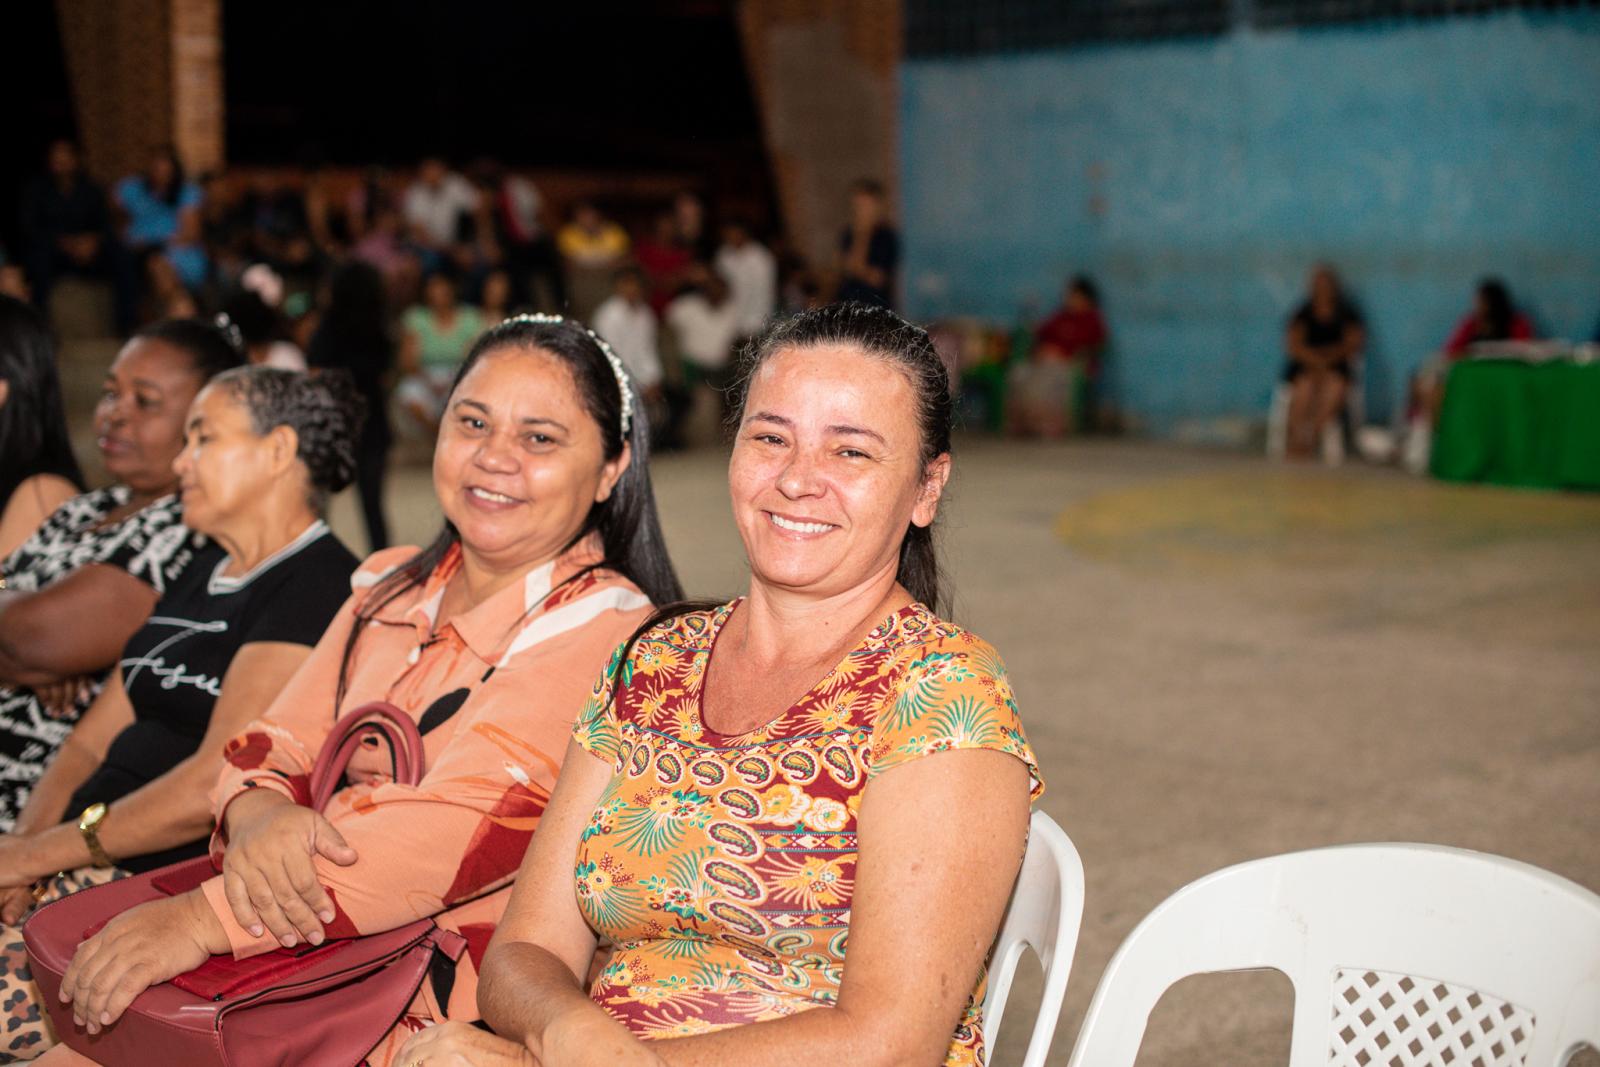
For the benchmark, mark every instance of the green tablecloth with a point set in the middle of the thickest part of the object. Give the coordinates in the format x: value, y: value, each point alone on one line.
x: 1518, y: 423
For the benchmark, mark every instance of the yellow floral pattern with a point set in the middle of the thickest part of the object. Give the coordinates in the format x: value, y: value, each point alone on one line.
x: 723, y: 867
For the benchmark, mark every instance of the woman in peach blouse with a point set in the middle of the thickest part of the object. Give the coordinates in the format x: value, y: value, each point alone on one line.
x: 491, y: 638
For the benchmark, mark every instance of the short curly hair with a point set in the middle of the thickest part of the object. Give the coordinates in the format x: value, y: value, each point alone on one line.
x: 324, y: 410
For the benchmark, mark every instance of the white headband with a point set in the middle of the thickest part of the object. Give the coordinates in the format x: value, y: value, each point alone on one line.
x: 617, y: 369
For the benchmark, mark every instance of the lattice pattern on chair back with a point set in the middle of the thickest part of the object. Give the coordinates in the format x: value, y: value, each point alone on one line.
x: 1382, y: 1019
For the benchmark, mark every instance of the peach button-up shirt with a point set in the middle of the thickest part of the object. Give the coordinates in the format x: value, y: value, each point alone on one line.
x: 495, y: 691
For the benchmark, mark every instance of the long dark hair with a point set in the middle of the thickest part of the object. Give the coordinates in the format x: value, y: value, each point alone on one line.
x: 33, y: 419
x: 626, y: 521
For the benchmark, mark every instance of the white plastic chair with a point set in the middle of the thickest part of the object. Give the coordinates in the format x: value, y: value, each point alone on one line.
x: 1400, y: 956
x: 1045, y: 910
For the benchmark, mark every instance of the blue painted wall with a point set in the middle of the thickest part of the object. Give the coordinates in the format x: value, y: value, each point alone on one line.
x: 1198, y: 180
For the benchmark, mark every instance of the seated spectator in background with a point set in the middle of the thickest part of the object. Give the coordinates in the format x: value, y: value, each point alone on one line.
x: 664, y: 261
x: 161, y: 213
x: 1323, y: 339
x: 438, y: 209
x: 1493, y: 318
x: 435, y: 337
x: 516, y: 212
x: 353, y: 335
x: 265, y: 449
x: 1042, y: 394
x: 79, y: 588
x: 65, y: 225
x: 495, y: 303
x: 253, y: 310
x: 629, y: 326
x: 691, y: 231
x: 752, y: 276
x: 880, y: 744
x: 40, y: 473
x: 706, y: 326
x: 592, y: 248
x: 490, y: 638
x: 869, y: 250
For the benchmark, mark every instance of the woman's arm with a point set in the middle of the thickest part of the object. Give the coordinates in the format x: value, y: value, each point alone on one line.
x: 1295, y: 342
x: 75, y: 626
x: 174, y: 808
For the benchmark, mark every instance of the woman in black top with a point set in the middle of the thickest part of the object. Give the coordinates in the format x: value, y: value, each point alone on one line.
x: 40, y: 472
x: 1323, y: 339
x: 264, y: 449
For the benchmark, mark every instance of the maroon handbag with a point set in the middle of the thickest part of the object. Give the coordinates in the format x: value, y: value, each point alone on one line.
x: 327, y: 1005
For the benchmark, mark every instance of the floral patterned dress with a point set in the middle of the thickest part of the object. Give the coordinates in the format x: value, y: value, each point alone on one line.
x: 722, y: 867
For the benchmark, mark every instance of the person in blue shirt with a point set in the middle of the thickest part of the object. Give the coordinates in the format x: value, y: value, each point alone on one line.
x: 160, y: 208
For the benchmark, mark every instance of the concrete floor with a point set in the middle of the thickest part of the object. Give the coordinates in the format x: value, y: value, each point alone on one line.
x: 1218, y: 659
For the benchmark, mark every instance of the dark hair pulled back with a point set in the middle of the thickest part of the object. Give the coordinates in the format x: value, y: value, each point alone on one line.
x: 626, y: 521
x: 207, y: 345
x: 880, y: 333
x: 325, y: 412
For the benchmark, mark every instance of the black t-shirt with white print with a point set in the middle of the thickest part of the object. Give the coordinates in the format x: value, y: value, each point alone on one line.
x: 173, y: 667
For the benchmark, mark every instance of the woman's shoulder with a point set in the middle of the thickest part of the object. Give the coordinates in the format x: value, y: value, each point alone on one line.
x: 915, y: 636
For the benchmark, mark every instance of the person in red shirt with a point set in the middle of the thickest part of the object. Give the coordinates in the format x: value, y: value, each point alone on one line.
x: 1493, y: 318
x: 1066, y: 349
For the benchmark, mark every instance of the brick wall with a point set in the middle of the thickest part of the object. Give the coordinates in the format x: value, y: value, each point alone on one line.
x: 825, y: 77
x: 144, y: 73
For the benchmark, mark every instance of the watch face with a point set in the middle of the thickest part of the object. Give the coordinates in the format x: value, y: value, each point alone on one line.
x: 93, y: 814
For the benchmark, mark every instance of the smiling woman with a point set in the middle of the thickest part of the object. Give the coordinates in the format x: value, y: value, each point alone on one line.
x: 755, y: 784
x: 490, y: 638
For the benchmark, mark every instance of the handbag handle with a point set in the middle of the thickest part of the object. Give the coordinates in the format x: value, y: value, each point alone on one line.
x: 375, y: 719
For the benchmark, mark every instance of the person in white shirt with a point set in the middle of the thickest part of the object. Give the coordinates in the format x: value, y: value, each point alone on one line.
x: 435, y: 203
x: 705, y: 322
x: 752, y: 276
x: 625, y: 320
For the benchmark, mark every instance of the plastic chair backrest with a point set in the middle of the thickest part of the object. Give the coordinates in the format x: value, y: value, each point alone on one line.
x: 1399, y: 955
x: 1045, y: 910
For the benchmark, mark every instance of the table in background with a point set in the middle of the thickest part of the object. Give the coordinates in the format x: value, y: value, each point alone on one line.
x: 1519, y: 422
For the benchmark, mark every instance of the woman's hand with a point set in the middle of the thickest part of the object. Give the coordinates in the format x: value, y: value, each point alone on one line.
x: 19, y: 867
x: 269, y: 871
x: 462, y: 1045
x: 593, y: 1039
x: 15, y: 903
x: 142, y: 947
x: 59, y: 698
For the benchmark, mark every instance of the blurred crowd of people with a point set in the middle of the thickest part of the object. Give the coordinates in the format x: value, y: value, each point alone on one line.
x: 394, y: 275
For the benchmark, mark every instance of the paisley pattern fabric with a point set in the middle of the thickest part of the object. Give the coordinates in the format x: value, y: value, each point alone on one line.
x: 722, y: 867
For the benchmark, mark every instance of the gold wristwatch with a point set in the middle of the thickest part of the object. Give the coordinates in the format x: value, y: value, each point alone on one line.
x: 89, y: 826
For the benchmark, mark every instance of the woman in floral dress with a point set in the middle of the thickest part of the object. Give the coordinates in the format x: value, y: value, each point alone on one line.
x: 755, y: 785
